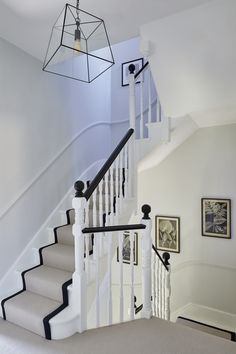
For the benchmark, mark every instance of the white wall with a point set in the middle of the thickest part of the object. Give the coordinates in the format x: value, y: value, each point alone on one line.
x: 203, y: 166
x: 41, y: 149
x: 193, y: 62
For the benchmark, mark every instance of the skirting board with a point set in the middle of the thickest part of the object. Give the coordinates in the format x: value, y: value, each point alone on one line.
x: 207, y: 315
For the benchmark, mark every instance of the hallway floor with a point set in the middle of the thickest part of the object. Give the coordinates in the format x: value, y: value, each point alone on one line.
x: 139, y: 337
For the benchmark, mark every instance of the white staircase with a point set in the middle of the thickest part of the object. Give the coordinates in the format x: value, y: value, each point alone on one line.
x: 70, y: 289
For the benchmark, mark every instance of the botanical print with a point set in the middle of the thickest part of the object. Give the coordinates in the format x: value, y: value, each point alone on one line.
x: 126, y: 248
x: 216, y: 217
x: 167, y: 233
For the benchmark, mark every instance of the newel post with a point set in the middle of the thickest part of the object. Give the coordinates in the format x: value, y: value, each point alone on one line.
x: 132, y: 124
x: 132, y: 113
x: 166, y: 258
x: 146, y: 244
x: 79, y: 296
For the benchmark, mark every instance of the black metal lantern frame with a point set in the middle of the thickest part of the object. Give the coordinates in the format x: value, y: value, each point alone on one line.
x: 79, y: 47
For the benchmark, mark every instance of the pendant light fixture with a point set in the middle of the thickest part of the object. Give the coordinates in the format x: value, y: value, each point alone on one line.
x: 79, y: 47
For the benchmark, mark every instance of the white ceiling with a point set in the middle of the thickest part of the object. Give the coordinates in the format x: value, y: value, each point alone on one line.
x: 27, y: 23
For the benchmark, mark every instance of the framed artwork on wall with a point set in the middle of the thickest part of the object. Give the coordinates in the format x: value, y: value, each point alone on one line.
x: 216, y: 217
x: 126, y: 248
x: 167, y: 233
x: 125, y: 70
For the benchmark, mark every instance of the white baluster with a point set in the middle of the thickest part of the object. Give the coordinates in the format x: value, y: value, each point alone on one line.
x: 117, y: 186
x: 121, y: 181
x: 154, y: 299
x: 146, y: 262
x: 87, y: 241
x: 149, y: 97
x: 131, y: 168
x: 160, y: 286
x: 121, y: 242
x: 126, y: 170
x: 163, y: 292
x: 111, y: 188
x: 107, y: 198
x: 132, y: 275
x: 94, y: 196
x: 109, y: 259
x: 141, y: 108
x: 157, y: 288
x: 97, y: 242
x: 100, y: 191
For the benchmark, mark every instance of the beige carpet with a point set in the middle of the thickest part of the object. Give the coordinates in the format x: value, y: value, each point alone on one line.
x: 139, y: 337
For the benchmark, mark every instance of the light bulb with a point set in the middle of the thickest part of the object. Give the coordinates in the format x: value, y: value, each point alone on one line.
x: 77, y: 45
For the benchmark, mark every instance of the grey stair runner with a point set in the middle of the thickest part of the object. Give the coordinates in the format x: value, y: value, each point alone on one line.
x: 42, y: 291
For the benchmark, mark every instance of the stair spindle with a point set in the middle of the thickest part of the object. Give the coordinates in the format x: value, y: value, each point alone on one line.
x: 121, y: 243
x: 132, y: 275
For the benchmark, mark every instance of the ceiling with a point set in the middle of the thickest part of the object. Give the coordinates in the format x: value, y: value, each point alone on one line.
x: 27, y: 23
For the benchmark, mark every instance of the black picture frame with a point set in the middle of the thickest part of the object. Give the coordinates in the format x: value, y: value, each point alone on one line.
x: 216, y: 217
x: 125, y: 70
x: 126, y: 249
x: 167, y: 233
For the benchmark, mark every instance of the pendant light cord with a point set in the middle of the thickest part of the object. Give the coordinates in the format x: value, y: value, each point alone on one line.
x: 77, y: 10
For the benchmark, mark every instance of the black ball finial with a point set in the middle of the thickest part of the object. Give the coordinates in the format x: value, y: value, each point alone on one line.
x: 132, y: 68
x: 79, y: 187
x: 146, y: 210
x: 166, y: 257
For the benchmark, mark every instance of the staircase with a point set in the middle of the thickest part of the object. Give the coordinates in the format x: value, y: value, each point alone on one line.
x: 65, y: 292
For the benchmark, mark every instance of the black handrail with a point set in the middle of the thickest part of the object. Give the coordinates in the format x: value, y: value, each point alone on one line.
x: 93, y: 185
x: 93, y: 230
x: 142, y: 69
x: 158, y: 255
x: 138, y: 309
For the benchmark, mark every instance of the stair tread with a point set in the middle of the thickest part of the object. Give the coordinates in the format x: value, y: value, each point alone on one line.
x: 28, y: 310
x: 59, y: 256
x: 64, y: 235
x: 47, y: 281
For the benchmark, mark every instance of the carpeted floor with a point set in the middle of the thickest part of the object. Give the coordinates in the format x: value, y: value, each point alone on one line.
x: 139, y: 337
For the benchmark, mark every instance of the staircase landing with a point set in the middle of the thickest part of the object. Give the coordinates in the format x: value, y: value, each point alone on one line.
x: 153, y: 336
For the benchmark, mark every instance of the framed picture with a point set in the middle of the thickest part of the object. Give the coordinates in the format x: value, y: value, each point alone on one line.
x: 126, y: 248
x: 125, y: 70
x: 168, y: 233
x: 216, y: 217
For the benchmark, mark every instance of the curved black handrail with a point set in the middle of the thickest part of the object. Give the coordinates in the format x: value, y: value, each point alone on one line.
x: 93, y: 185
x: 141, y: 70
x: 158, y: 255
x: 93, y: 230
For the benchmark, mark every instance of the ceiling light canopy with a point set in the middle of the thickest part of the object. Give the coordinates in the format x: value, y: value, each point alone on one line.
x: 79, y: 46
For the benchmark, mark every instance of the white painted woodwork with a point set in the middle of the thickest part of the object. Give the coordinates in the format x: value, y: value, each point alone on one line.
x: 117, y: 185
x: 132, y: 101
x: 126, y: 166
x: 97, y: 270
x: 149, y: 97
x: 132, y: 275
x: 121, y: 242
x: 141, y: 108
x: 121, y: 181
x: 79, y: 297
x: 111, y: 188
x: 109, y: 261
x: 146, y: 243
